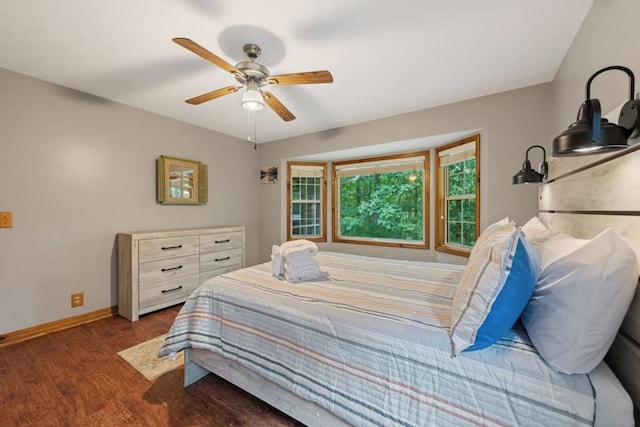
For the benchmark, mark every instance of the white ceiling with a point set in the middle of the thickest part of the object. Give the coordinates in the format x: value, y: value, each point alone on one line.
x: 387, y: 58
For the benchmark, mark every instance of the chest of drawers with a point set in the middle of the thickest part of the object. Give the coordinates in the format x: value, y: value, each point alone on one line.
x: 157, y: 269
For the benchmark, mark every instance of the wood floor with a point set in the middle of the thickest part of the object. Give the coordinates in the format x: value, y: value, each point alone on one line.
x: 74, y: 378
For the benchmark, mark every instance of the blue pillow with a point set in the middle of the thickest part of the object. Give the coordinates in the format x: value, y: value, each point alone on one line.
x: 494, y: 290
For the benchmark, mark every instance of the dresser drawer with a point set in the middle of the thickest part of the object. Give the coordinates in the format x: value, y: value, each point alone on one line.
x: 164, y: 293
x: 213, y: 273
x: 219, y: 259
x: 220, y: 241
x: 170, y: 247
x: 165, y: 269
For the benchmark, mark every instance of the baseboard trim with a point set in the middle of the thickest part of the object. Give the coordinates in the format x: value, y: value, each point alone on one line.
x: 58, y: 325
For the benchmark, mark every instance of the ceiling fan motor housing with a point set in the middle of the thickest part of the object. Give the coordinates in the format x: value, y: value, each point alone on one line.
x: 252, y: 69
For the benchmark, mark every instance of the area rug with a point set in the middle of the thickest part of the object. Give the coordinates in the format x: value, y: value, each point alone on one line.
x: 144, y: 358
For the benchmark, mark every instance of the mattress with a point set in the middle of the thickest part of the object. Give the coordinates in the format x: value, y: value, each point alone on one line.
x: 369, y: 342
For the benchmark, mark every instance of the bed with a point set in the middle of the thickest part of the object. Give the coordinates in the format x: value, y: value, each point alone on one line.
x: 361, y: 346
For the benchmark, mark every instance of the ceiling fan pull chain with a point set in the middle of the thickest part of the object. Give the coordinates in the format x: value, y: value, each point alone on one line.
x: 251, y: 126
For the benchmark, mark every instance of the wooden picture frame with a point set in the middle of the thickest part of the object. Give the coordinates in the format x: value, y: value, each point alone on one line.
x: 181, y: 181
x: 269, y: 174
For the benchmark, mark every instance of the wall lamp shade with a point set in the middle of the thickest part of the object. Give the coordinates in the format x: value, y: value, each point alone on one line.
x: 527, y: 175
x: 591, y: 133
x: 252, y: 99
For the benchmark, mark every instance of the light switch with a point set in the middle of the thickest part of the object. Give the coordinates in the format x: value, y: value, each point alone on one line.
x: 6, y: 220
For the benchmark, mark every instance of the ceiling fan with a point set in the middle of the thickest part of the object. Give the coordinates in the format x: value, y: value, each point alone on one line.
x: 254, y: 77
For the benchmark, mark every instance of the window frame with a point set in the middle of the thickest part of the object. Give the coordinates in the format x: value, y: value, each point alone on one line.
x: 382, y: 241
x: 441, y: 243
x: 323, y: 201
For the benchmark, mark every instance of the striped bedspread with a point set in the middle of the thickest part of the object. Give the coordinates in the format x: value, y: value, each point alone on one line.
x: 369, y: 343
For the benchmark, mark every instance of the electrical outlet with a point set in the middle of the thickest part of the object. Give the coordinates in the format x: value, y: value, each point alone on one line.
x: 77, y: 300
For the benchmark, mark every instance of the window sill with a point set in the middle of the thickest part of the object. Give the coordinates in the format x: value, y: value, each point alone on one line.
x: 381, y: 242
x: 454, y: 251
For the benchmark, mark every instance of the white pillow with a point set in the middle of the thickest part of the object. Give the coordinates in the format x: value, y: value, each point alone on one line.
x: 584, y: 290
x: 558, y: 247
x: 536, y: 232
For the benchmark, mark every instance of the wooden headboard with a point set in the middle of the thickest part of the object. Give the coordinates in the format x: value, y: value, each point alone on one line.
x: 583, y: 202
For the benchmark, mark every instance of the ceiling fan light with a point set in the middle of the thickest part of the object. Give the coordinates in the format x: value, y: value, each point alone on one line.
x: 252, y: 100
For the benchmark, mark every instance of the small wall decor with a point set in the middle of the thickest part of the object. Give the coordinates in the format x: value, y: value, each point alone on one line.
x: 269, y: 175
x: 181, y: 181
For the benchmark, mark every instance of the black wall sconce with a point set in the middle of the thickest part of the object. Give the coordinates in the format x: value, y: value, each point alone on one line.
x: 591, y: 133
x: 527, y: 174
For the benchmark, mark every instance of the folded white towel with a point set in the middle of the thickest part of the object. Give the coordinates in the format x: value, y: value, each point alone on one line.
x: 277, y: 261
x: 300, y: 262
x: 302, y: 276
x: 295, y: 260
x: 295, y: 243
x: 300, y: 271
x: 310, y: 267
x: 299, y: 252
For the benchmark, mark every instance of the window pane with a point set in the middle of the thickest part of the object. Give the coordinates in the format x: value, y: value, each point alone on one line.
x: 384, y: 205
x: 308, y: 211
x: 470, y: 166
x: 316, y: 189
x: 469, y: 234
x: 295, y: 192
x: 456, y: 167
x: 455, y: 185
x: 454, y: 211
x: 305, y: 219
x: 469, y: 184
x: 469, y: 210
x: 454, y: 234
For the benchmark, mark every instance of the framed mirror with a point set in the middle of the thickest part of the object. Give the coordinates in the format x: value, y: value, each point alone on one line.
x: 181, y: 181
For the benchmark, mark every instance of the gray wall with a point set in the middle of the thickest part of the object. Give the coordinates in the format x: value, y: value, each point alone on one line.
x: 510, y: 122
x: 75, y: 170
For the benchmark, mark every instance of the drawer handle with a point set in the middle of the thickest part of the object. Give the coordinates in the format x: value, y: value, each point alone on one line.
x: 222, y: 259
x: 171, y: 290
x: 164, y: 270
x: 223, y: 241
x: 168, y: 248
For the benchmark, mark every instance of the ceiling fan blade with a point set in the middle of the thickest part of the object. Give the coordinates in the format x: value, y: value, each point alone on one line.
x: 301, y: 78
x: 212, y: 95
x: 277, y: 106
x: 204, y: 53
